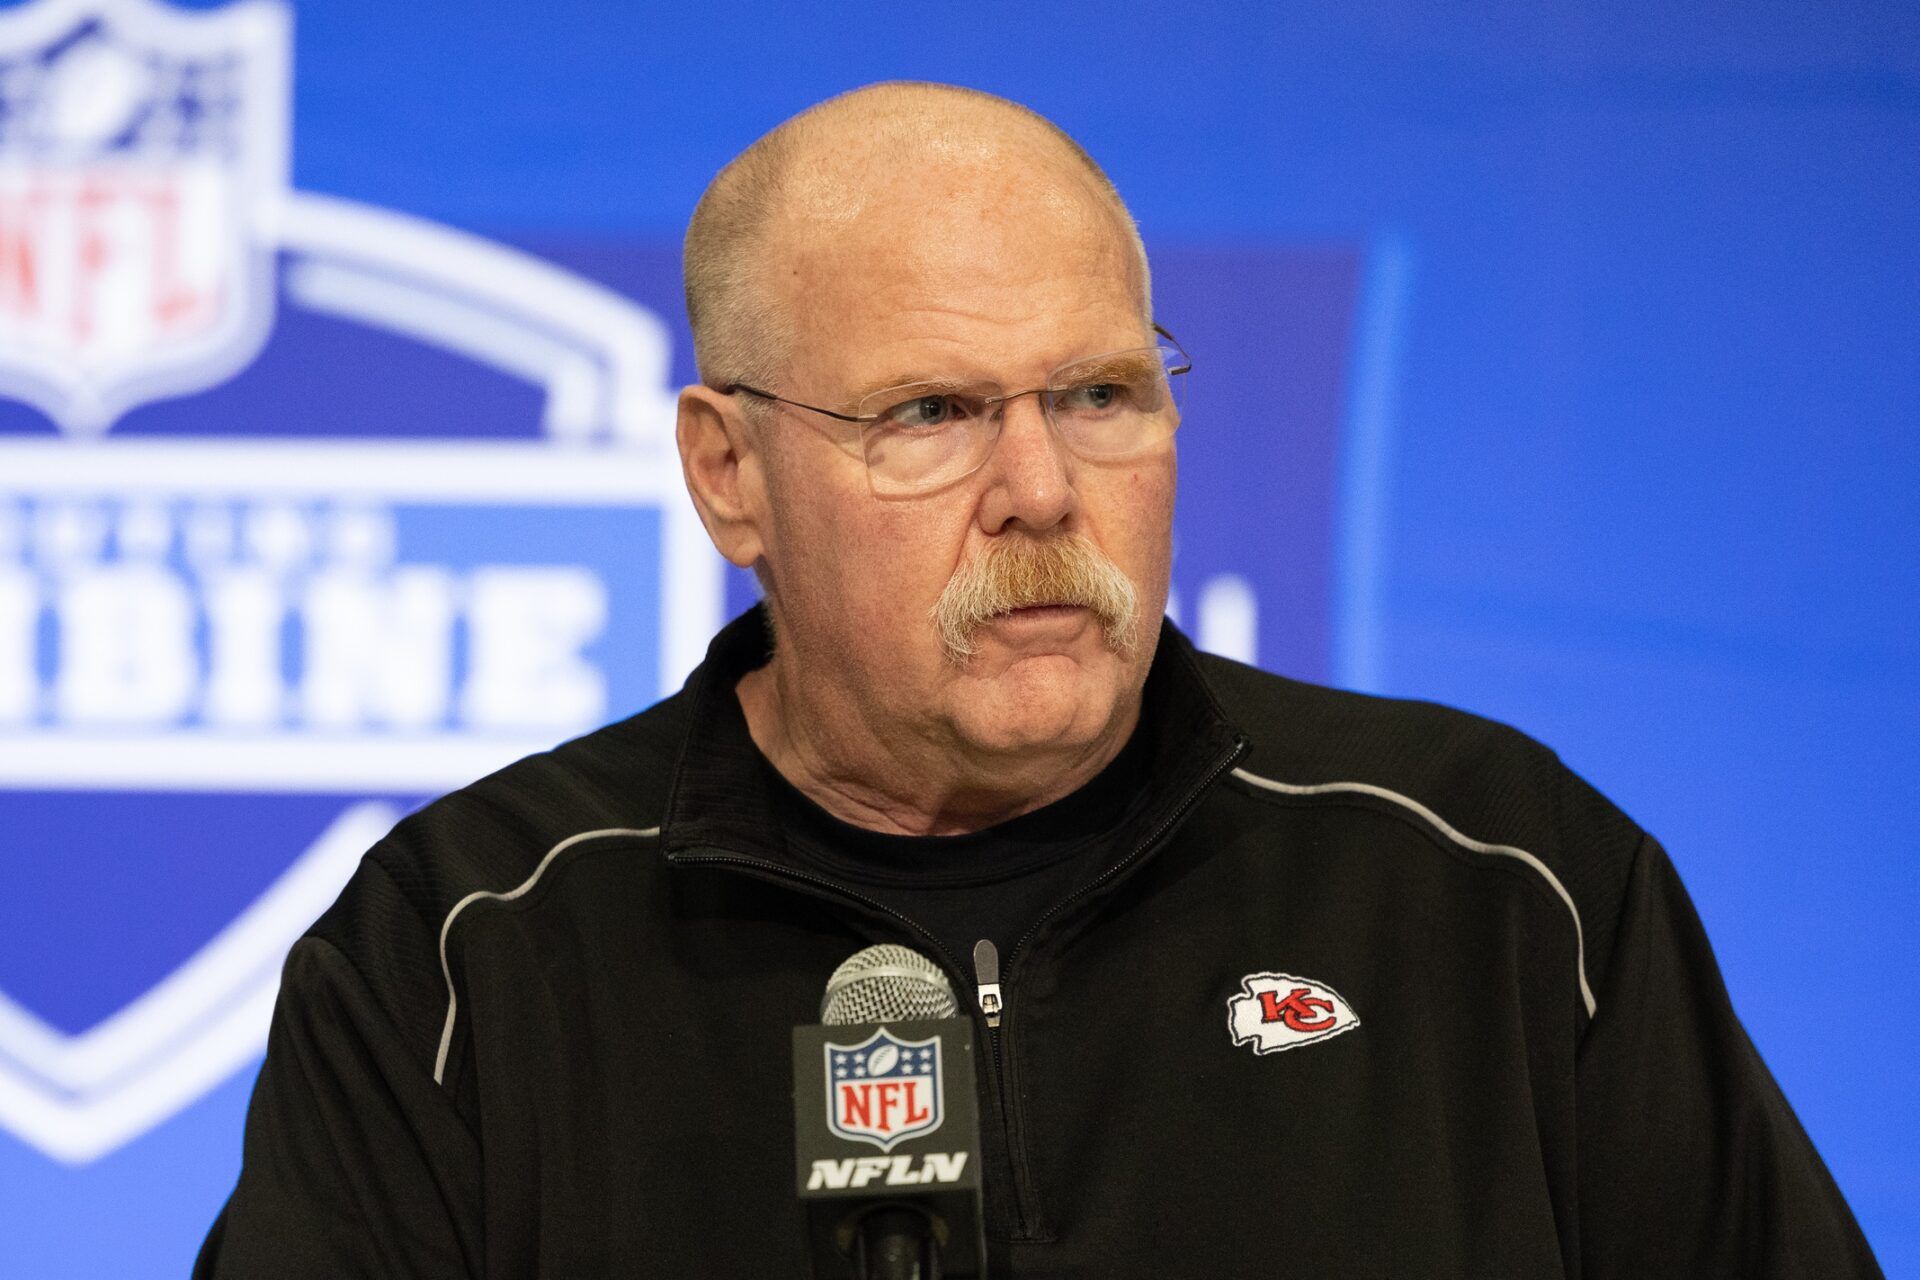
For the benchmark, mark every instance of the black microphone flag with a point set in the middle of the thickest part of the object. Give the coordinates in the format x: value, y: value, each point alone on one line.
x: 887, y: 1126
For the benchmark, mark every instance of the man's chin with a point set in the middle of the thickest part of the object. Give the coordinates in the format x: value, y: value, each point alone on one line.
x: 1021, y: 696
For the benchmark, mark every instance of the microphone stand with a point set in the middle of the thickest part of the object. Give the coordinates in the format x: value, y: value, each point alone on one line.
x: 893, y: 1242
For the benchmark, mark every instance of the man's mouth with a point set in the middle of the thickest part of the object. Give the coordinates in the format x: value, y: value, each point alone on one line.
x: 1042, y: 613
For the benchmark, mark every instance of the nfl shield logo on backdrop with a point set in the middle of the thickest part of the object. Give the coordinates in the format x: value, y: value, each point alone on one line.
x: 884, y: 1090
x: 309, y: 511
x: 142, y: 153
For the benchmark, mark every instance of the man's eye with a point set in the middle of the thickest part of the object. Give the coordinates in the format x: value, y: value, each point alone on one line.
x: 1095, y: 397
x: 924, y: 411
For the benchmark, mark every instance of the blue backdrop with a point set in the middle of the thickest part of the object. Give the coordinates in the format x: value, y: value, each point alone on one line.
x: 1556, y: 364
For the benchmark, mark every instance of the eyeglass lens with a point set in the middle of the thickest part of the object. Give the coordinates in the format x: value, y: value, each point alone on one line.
x: 927, y: 434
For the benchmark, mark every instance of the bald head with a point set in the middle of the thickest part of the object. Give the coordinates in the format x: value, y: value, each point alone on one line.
x: 806, y: 190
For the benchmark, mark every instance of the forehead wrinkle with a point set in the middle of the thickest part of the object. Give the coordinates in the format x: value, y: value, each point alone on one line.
x: 997, y: 335
x: 954, y: 264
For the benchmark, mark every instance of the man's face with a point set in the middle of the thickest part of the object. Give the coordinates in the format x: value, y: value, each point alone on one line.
x: 999, y: 273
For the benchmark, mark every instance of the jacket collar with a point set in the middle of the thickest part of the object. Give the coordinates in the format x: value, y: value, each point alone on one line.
x: 718, y: 800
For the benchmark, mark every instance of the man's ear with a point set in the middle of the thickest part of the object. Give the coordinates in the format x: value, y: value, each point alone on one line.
x: 724, y: 472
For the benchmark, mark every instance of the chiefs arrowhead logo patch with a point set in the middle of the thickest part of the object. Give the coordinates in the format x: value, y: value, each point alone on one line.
x: 1278, y: 1011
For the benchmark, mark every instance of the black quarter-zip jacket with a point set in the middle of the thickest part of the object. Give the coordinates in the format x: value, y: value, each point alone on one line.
x: 545, y: 1029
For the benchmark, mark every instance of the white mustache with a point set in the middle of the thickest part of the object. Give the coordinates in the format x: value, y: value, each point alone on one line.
x: 1023, y: 572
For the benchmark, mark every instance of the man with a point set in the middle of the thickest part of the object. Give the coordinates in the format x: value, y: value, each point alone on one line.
x: 1296, y: 982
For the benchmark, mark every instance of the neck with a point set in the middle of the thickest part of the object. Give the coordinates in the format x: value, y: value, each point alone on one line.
x: 909, y: 779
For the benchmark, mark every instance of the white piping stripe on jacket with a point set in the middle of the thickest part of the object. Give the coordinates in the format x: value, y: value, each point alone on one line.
x: 446, y: 926
x: 1467, y: 842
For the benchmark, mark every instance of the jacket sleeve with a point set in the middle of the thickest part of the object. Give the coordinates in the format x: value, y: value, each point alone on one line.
x: 1691, y: 1163
x: 356, y: 1163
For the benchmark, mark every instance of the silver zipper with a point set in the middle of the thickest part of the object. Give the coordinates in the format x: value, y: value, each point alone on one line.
x: 986, y: 974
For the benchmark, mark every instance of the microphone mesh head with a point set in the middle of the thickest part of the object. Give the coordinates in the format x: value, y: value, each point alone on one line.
x: 886, y: 983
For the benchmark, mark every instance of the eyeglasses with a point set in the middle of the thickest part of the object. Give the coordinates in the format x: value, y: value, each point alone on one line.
x: 923, y: 435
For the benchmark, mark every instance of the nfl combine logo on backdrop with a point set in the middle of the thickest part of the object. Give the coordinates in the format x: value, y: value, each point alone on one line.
x: 308, y: 511
x: 884, y: 1090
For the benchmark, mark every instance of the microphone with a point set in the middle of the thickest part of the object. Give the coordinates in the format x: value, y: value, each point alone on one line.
x: 887, y: 1124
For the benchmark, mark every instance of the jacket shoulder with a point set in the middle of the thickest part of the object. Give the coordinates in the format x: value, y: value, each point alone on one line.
x: 489, y: 837
x: 1487, y: 782
x: 1313, y: 733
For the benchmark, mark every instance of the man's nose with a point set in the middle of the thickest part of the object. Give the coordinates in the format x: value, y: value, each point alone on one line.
x: 1030, y: 471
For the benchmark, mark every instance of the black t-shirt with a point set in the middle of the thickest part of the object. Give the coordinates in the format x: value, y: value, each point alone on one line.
x: 990, y: 884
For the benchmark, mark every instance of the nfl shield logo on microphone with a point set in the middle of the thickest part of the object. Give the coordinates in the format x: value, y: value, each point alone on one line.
x: 884, y: 1090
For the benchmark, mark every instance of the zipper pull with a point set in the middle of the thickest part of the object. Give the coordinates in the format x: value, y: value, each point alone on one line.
x: 986, y: 973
